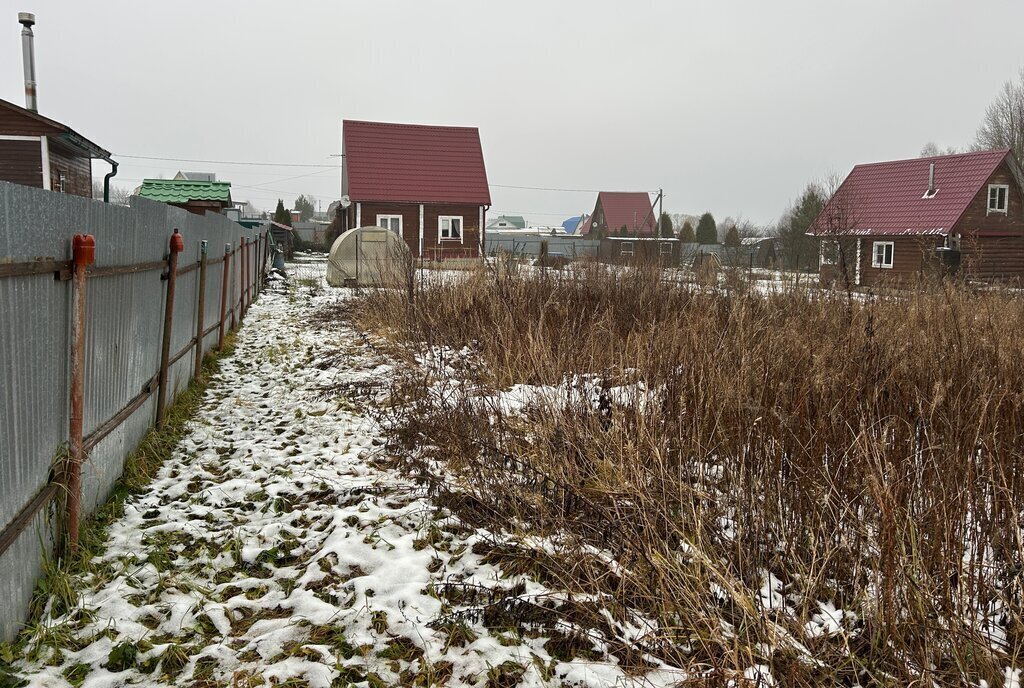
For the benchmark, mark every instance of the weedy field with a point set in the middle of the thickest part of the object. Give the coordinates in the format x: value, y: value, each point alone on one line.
x: 801, y: 487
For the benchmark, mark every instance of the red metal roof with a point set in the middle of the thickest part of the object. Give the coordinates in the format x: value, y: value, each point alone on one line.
x: 629, y: 208
x: 414, y: 163
x: 887, y: 198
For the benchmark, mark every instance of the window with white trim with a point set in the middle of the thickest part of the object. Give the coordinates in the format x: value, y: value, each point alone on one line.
x: 997, y: 198
x: 881, y: 254
x: 392, y: 222
x: 449, y: 228
x: 626, y: 248
x: 665, y: 248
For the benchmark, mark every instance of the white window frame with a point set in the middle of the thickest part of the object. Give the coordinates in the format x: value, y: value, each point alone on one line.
x: 883, y: 263
x: 625, y: 248
x: 1005, y: 188
x: 382, y: 218
x: 664, y: 248
x: 440, y: 228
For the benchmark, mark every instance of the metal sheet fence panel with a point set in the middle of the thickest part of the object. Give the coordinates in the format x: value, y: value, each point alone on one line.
x: 530, y: 245
x: 123, y: 334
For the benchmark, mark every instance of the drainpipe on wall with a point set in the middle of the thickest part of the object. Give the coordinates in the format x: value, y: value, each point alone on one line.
x: 106, y: 180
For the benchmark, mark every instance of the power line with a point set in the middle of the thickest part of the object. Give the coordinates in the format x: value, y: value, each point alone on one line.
x: 225, y: 162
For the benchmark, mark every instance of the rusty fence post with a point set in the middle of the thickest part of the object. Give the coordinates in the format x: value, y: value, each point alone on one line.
x: 83, y: 248
x: 248, y: 268
x: 201, y: 310
x: 234, y: 297
x: 224, y: 294
x: 177, y: 245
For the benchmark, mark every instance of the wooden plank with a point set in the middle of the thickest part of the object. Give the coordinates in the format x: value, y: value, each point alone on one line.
x: 110, y: 425
x: 35, y: 267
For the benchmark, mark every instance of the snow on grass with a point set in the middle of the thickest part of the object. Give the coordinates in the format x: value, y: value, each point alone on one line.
x: 275, y: 546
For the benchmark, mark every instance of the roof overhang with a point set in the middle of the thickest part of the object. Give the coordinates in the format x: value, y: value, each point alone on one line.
x: 938, y: 231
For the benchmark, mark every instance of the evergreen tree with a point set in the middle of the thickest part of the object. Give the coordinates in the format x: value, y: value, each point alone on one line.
x: 305, y: 205
x: 686, y: 234
x: 665, y: 226
x: 707, y: 232
x: 281, y: 215
x: 799, y: 250
x: 732, y: 237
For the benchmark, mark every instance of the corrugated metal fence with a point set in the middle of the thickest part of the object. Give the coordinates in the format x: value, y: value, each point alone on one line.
x: 125, y: 292
x: 529, y: 245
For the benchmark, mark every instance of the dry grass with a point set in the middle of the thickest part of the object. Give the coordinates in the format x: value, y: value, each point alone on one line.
x: 866, y: 452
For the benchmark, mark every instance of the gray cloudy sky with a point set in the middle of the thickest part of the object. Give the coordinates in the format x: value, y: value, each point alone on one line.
x: 729, y: 105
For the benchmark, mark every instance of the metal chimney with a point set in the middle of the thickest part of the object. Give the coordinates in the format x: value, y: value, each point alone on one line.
x: 28, y: 56
x: 931, y: 179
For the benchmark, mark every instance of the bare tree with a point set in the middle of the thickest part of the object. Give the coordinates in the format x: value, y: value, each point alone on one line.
x: 931, y: 150
x: 1003, y: 125
x: 119, y: 195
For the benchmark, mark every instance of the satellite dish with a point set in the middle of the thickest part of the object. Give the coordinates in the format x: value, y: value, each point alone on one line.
x: 345, y: 201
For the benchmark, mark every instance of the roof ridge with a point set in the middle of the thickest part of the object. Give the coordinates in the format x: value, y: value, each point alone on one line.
x: 965, y: 154
x: 410, y: 125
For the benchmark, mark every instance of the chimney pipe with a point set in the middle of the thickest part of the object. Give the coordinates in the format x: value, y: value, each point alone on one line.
x: 28, y: 55
x: 931, y: 179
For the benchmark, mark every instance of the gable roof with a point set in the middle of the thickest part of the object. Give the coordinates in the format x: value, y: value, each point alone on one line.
x: 630, y: 208
x: 37, y: 125
x: 888, y: 198
x: 414, y: 163
x: 183, y: 190
x: 517, y: 221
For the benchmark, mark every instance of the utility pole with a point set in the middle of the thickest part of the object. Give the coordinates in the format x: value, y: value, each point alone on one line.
x: 661, y: 208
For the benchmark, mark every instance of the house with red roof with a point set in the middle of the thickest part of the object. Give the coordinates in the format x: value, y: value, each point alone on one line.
x: 428, y: 184
x: 893, y: 221
x: 621, y: 213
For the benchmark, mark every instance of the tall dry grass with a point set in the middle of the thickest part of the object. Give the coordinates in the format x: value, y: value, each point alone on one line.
x: 867, y: 452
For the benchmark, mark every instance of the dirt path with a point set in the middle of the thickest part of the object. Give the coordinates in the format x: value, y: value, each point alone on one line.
x: 271, y: 550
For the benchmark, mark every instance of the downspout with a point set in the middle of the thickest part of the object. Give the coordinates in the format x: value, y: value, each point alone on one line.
x: 106, y: 180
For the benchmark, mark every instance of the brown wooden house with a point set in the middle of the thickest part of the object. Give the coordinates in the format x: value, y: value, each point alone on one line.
x: 893, y: 221
x: 41, y: 152
x: 649, y: 250
x: 621, y: 213
x: 426, y: 183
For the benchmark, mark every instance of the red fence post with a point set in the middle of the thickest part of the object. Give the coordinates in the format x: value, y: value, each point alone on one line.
x: 246, y: 294
x: 235, y: 300
x: 224, y: 294
x: 201, y: 309
x: 83, y: 248
x: 177, y: 245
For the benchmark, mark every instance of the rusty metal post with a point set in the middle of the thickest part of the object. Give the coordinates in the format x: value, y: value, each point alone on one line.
x: 246, y: 293
x: 234, y: 299
x: 224, y: 294
x: 83, y: 249
x: 177, y: 245
x: 201, y: 310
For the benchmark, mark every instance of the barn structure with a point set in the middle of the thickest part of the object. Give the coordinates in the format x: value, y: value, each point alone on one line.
x: 428, y: 184
x: 41, y: 152
x: 893, y: 221
x: 621, y: 213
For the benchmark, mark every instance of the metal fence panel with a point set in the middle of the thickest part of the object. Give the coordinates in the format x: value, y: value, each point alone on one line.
x: 124, y: 325
x: 530, y: 245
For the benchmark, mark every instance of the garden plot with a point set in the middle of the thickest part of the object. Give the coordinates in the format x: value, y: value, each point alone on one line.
x: 279, y: 546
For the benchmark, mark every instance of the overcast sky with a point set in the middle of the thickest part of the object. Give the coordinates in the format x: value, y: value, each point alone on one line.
x: 729, y: 105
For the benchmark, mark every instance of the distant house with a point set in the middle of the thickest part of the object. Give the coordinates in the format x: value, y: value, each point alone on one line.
x: 902, y: 218
x: 507, y: 222
x: 283, y: 237
x: 576, y: 225
x: 41, y: 152
x: 194, y: 196
x: 616, y: 210
x: 650, y: 250
x: 426, y: 183
x: 196, y: 176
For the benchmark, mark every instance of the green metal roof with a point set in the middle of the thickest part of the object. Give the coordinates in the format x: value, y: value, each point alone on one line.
x: 185, y: 190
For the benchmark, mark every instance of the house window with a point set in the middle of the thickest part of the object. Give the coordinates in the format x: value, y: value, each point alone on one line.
x: 881, y: 254
x: 626, y: 248
x: 997, y: 194
x: 392, y: 222
x: 449, y: 228
x: 665, y: 249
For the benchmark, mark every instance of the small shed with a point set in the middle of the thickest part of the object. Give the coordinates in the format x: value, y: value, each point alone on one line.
x: 367, y: 257
x: 193, y: 195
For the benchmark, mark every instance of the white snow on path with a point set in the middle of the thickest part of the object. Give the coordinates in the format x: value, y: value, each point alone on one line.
x: 270, y: 549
